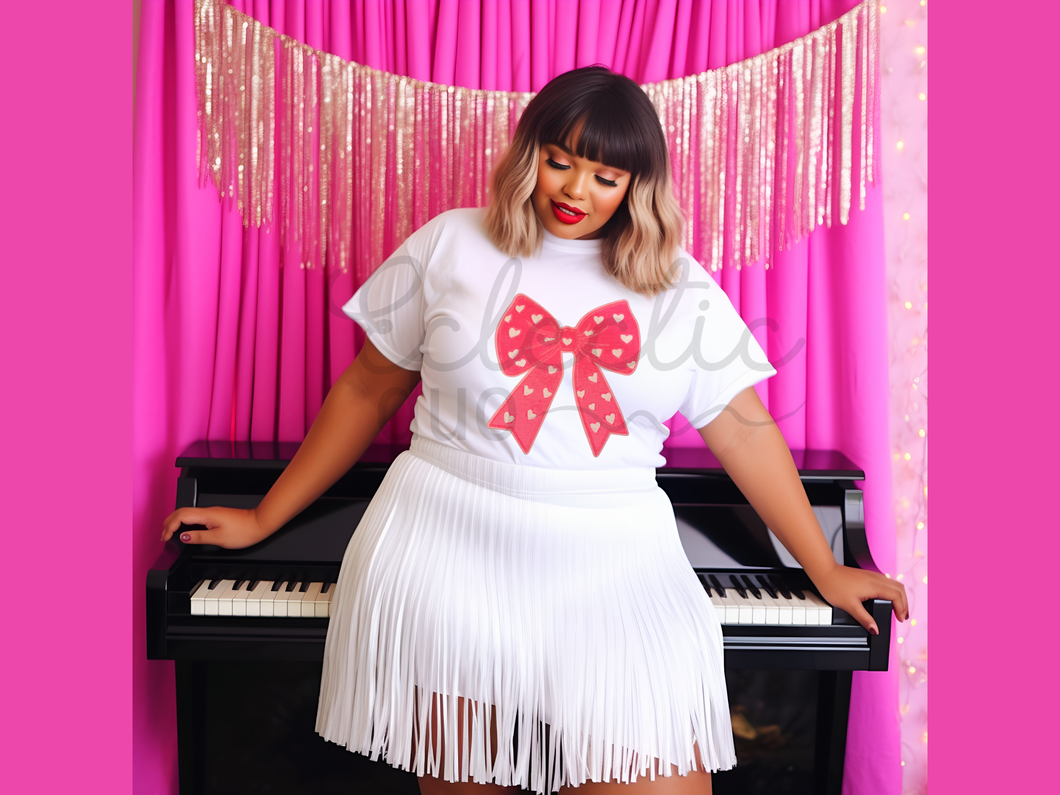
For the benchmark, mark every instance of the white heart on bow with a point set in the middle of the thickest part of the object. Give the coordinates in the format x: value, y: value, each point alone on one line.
x: 551, y: 370
x: 520, y: 362
x: 598, y: 318
x: 610, y: 419
x: 527, y: 390
x: 581, y: 393
x: 508, y: 417
x: 618, y: 318
x: 597, y: 351
x: 536, y: 318
x: 606, y: 396
x: 514, y: 332
x: 627, y: 338
x: 520, y: 308
x: 545, y: 392
x: 592, y: 407
x: 513, y: 354
x: 616, y: 352
x: 595, y: 426
x: 567, y: 340
x: 593, y: 378
x: 530, y: 414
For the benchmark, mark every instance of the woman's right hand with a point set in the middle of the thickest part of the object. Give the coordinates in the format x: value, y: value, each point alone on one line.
x: 230, y: 528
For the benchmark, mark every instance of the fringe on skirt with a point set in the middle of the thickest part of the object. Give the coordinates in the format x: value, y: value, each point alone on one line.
x: 552, y: 609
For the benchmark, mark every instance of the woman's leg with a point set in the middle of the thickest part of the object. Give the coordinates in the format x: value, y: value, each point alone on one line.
x: 430, y: 785
x: 697, y: 782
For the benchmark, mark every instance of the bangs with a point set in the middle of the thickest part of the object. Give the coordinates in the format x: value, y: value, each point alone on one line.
x: 610, y: 135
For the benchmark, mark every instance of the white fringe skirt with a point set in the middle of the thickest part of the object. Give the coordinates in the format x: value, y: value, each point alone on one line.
x: 523, y: 626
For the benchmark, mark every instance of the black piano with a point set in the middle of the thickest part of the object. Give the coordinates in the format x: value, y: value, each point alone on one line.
x: 246, y: 683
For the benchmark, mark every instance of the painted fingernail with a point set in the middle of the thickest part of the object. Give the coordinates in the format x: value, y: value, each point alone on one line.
x: 874, y: 631
x: 185, y: 536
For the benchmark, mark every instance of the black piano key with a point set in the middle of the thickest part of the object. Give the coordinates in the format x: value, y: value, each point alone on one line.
x: 304, y: 586
x: 213, y: 584
x: 239, y: 585
x: 327, y: 587
x: 253, y: 585
x: 706, y: 585
x: 764, y: 582
x: 276, y: 585
x: 717, y: 586
x: 780, y: 586
x: 757, y: 594
x: 737, y: 585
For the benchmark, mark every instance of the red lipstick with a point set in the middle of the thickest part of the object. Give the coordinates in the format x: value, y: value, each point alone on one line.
x: 566, y: 218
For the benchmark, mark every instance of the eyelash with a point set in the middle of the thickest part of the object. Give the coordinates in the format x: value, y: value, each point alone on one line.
x: 607, y: 182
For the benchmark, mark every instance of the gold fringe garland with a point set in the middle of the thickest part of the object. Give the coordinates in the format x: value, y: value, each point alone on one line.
x: 763, y: 151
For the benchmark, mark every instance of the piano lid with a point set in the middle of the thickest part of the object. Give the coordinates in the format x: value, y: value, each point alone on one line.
x: 266, y: 455
x: 812, y: 464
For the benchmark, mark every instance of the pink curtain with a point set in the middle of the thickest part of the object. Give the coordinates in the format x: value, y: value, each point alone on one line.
x: 234, y: 340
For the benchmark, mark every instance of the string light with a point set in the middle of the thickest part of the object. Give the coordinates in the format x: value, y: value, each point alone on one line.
x: 923, y: 96
x: 912, y: 670
x: 920, y: 525
x: 901, y: 144
x: 922, y: 433
x: 901, y: 640
x: 924, y: 580
x: 905, y: 216
x: 919, y: 50
x: 908, y: 304
x: 908, y: 457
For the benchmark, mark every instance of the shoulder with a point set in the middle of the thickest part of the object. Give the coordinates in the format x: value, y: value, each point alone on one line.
x: 459, y: 228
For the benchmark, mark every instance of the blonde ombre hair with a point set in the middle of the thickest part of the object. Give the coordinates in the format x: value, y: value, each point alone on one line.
x: 622, y: 130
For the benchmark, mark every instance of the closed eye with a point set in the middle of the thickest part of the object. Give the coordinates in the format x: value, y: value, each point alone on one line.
x: 561, y: 167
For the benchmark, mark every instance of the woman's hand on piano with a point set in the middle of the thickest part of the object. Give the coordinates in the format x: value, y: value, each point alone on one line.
x: 230, y: 528
x: 846, y: 588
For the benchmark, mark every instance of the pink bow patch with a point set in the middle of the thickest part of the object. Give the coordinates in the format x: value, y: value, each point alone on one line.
x: 529, y: 340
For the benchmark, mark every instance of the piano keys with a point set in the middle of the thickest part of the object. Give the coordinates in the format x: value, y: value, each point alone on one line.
x: 262, y: 598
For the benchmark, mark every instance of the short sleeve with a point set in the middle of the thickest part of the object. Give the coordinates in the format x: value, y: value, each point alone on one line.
x: 726, y: 359
x: 390, y: 305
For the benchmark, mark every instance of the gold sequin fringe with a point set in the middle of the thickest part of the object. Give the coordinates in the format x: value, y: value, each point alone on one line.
x: 763, y: 151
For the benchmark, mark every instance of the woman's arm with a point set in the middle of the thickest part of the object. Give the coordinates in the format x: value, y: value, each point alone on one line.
x: 359, y: 404
x: 751, y: 448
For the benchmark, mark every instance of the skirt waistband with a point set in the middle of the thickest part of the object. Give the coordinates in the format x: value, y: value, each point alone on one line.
x: 534, y: 482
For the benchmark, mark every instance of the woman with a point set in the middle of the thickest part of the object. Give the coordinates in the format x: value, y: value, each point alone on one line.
x: 515, y: 608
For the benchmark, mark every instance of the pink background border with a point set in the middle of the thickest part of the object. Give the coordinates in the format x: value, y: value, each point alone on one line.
x: 65, y: 440
x: 65, y: 311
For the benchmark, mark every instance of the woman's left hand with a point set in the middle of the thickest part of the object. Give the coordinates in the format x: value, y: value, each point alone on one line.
x: 846, y: 588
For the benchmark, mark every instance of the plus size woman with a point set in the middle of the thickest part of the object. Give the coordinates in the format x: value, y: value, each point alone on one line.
x: 515, y: 609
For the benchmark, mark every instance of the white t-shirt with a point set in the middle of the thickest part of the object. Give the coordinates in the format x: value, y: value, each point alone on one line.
x: 453, y: 306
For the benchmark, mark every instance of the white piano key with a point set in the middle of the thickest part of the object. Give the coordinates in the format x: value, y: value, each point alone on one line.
x: 798, y: 611
x: 324, y: 605
x: 239, y: 599
x: 821, y: 608
x: 268, y: 600
x: 309, y: 598
x: 719, y: 606
x: 732, y: 607
x: 784, y: 610
x: 279, y: 604
x: 198, y: 599
x: 224, y: 599
x: 746, y: 608
x: 758, y: 607
x: 772, y: 609
x: 212, y: 601
x: 255, y: 596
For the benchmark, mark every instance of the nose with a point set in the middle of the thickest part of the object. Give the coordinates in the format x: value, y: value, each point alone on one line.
x: 575, y: 185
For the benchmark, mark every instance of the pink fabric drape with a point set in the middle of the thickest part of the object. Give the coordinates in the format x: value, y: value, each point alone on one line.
x: 235, y: 340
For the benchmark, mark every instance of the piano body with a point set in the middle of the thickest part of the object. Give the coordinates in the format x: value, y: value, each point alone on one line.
x: 266, y: 605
